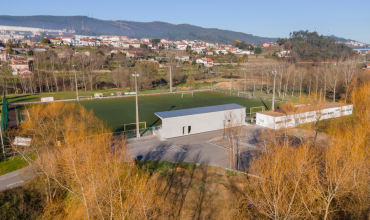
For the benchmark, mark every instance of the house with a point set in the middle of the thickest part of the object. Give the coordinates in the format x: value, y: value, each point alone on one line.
x: 182, y: 46
x: 280, y: 118
x: 72, y: 41
x: 367, y: 66
x: 135, y: 54
x: 144, y: 40
x: 177, y: 123
x: 182, y: 58
x: 89, y: 42
x: 283, y: 53
x: 135, y: 44
x: 29, y: 42
x: 205, y: 61
x: 209, y: 53
x: 20, y: 50
x: 4, y: 56
x: 19, y: 63
x: 210, y: 44
x: 54, y: 40
x: 244, y: 52
x: 148, y: 44
x: 222, y: 51
x: 265, y: 45
x: 25, y: 73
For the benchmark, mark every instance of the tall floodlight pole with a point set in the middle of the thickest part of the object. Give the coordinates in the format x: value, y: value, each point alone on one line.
x: 74, y: 67
x: 170, y: 79
x: 273, y: 92
x: 137, y: 108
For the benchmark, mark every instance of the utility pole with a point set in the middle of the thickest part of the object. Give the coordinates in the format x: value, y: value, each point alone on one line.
x: 137, y: 108
x: 74, y: 67
x: 245, y: 82
x: 231, y: 83
x: 170, y: 79
x: 273, y: 92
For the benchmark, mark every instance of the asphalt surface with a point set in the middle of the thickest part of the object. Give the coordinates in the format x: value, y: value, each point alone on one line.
x: 14, y: 179
x: 205, y: 148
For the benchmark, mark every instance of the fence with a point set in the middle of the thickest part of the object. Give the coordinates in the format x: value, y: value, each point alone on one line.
x: 267, y: 97
x: 112, y: 97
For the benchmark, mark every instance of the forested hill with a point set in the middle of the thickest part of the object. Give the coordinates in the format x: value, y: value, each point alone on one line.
x: 306, y: 45
x: 90, y: 26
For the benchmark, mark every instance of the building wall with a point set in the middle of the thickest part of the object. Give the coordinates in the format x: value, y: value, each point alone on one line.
x: 173, y: 127
x: 305, y: 117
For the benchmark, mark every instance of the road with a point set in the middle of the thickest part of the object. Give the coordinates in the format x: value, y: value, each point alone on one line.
x: 14, y: 179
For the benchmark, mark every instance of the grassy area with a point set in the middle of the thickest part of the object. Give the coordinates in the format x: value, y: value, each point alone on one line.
x: 120, y: 111
x: 12, y: 164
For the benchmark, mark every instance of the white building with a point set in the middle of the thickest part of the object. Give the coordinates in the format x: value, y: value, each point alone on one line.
x: 72, y: 41
x: 145, y: 40
x: 182, y: 46
x: 182, y: 58
x: 302, y: 114
x: 243, y: 52
x: 205, y: 61
x: 198, y: 120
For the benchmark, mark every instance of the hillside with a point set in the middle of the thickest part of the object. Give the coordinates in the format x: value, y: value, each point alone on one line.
x: 306, y: 45
x: 91, y: 26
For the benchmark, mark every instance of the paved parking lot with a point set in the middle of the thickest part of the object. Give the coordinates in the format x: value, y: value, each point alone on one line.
x: 206, y: 148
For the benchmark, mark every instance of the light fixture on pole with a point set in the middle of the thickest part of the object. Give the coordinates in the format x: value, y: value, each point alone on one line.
x: 74, y: 67
x: 273, y: 92
x: 137, y: 108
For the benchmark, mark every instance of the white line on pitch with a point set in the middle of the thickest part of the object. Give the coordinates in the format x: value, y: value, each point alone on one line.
x: 16, y: 183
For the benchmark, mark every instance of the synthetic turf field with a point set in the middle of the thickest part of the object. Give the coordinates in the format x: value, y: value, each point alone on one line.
x: 120, y: 111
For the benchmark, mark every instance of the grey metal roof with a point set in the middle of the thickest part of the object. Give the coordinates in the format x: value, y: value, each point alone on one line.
x: 201, y: 110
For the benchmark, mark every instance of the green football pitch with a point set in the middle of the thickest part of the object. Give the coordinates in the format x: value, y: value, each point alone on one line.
x: 119, y: 111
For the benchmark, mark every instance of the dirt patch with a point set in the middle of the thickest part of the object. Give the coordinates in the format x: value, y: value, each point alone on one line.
x: 222, y: 85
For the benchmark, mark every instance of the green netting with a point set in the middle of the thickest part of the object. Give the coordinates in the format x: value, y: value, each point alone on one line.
x: 4, y: 118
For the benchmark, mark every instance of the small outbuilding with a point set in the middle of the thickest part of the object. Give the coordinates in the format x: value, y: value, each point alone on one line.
x: 198, y: 120
x: 300, y: 114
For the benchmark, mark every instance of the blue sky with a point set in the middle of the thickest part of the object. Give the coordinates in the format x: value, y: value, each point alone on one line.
x: 348, y: 19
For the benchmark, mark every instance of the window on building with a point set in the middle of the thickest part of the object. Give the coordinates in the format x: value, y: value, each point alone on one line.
x: 183, y: 130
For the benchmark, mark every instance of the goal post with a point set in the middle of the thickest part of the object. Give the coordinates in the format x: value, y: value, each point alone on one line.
x: 85, y: 97
x: 132, y: 126
x: 254, y: 110
x: 186, y: 94
x: 244, y: 94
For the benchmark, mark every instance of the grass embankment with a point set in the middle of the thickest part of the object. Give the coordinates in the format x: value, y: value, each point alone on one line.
x: 12, y: 164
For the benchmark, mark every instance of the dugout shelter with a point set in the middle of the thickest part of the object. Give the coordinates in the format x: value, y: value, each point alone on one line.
x: 183, y: 122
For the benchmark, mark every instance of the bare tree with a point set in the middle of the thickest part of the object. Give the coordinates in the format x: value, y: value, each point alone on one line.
x: 350, y: 71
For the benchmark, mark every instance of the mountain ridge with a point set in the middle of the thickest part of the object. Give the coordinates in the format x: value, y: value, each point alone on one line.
x: 84, y: 25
